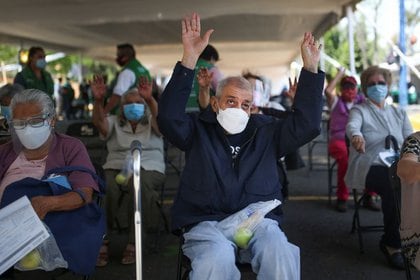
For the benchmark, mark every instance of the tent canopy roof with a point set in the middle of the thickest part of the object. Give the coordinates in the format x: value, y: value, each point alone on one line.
x: 256, y: 35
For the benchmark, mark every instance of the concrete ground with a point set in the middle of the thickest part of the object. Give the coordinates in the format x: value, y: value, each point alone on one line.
x: 328, y: 249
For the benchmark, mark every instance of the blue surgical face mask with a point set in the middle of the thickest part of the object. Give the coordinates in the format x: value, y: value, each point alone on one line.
x: 41, y: 63
x: 5, y: 111
x: 133, y: 111
x: 377, y: 93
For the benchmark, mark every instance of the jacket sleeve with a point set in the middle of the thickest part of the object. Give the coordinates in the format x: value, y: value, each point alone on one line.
x: 174, y: 123
x: 303, y: 123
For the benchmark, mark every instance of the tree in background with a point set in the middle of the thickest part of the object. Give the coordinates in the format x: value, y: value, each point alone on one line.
x: 368, y: 51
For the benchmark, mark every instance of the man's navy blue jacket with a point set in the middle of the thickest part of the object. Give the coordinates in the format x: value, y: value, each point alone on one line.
x: 213, y: 185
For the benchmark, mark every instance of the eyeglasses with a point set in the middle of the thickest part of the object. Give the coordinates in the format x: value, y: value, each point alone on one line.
x: 33, y: 122
x: 376, y: 83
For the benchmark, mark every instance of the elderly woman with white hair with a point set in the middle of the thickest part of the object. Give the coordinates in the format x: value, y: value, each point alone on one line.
x: 34, y: 151
x: 136, y: 120
x: 36, y: 148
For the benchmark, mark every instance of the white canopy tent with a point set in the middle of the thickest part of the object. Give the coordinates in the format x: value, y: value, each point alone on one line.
x: 262, y: 36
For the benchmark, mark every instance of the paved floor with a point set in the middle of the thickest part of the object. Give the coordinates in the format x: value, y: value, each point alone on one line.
x: 328, y: 249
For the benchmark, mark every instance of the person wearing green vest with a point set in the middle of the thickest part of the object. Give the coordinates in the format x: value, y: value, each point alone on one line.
x: 207, y: 60
x: 34, y: 75
x: 129, y: 76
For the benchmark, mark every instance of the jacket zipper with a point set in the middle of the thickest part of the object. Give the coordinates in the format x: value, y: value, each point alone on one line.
x: 234, y: 161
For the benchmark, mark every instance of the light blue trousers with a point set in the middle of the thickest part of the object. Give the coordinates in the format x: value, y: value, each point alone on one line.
x: 213, y: 255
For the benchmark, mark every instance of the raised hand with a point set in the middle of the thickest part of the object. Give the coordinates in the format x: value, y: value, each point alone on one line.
x: 204, y: 77
x: 292, y: 89
x: 98, y: 87
x: 192, y: 41
x: 311, y: 52
x: 145, y: 88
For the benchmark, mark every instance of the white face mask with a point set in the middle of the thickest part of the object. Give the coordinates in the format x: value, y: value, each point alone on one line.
x: 233, y: 120
x: 33, y: 137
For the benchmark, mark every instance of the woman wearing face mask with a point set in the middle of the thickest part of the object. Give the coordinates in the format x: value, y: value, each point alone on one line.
x: 339, y: 106
x: 368, y: 126
x: 35, y: 148
x: 136, y: 121
x: 34, y: 75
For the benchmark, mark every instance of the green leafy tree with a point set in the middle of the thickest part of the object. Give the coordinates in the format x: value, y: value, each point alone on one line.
x: 8, y: 54
x: 366, y: 50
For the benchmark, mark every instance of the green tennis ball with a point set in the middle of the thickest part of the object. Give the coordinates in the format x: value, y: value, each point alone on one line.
x: 242, y: 237
x: 31, y: 261
x: 120, y: 179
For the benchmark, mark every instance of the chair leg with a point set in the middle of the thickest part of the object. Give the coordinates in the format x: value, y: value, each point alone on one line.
x: 310, y: 147
x: 179, y: 263
x: 356, y: 220
x: 407, y: 266
x: 330, y: 179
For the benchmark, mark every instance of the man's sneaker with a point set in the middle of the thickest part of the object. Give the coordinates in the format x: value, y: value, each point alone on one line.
x: 370, y: 203
x: 341, y: 205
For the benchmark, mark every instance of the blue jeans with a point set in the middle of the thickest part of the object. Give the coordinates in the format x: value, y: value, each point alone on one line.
x: 213, y: 255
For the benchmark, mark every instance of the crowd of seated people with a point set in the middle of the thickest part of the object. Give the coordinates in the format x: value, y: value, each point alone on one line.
x: 369, y: 124
x: 231, y: 145
x: 339, y: 105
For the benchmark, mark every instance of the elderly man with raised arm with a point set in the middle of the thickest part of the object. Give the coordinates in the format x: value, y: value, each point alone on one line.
x: 231, y: 162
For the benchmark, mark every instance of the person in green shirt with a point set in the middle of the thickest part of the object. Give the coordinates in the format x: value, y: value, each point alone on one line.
x: 128, y: 77
x: 34, y: 75
x: 207, y: 60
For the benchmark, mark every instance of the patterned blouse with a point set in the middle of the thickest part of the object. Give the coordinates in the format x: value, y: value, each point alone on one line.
x: 411, y: 145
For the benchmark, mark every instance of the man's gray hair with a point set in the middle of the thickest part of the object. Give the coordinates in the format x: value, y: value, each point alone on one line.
x: 9, y: 90
x: 236, y: 81
x: 34, y: 96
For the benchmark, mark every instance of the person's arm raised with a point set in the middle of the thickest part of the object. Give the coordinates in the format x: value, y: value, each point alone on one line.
x: 145, y: 91
x: 311, y: 52
x: 99, y: 117
x: 330, y: 89
x: 204, y: 79
x: 193, y: 43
